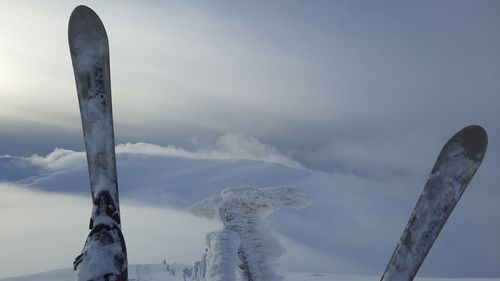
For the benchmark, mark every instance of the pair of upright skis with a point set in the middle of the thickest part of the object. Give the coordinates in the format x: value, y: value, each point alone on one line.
x: 104, y: 256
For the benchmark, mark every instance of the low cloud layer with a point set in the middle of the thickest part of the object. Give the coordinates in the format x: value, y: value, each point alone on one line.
x: 227, y: 147
x: 33, y: 223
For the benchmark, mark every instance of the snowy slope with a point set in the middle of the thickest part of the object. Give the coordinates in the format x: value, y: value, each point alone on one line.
x: 158, y: 272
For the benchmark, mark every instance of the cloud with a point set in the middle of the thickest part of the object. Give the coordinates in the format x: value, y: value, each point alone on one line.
x: 175, y: 235
x: 316, y: 93
x: 298, y: 259
x: 227, y: 147
x: 407, y: 155
x: 59, y: 159
x: 33, y: 222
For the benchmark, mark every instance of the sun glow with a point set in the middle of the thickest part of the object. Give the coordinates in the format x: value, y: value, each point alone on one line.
x: 6, y: 77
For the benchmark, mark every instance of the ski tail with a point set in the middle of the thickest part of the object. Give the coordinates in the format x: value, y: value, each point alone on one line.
x: 455, y: 166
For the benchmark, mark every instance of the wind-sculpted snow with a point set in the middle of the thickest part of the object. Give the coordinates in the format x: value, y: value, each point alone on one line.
x: 243, y: 211
x: 258, y: 199
x: 222, y: 258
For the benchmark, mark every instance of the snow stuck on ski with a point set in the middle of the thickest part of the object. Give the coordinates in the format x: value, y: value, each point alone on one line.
x: 104, y: 255
x: 89, y: 52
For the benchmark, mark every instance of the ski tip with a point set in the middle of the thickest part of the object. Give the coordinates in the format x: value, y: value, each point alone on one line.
x: 81, y: 10
x: 474, y: 139
x: 84, y: 16
x: 86, y: 28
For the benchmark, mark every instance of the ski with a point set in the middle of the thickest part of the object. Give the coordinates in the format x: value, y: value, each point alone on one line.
x: 104, y: 256
x: 454, y: 168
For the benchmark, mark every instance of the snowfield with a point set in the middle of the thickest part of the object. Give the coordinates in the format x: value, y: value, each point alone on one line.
x: 159, y: 272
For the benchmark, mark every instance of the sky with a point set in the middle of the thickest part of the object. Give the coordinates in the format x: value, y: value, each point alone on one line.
x: 356, y: 88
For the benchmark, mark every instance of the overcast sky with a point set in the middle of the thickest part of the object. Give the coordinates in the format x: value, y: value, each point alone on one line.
x: 333, y: 84
x: 363, y: 88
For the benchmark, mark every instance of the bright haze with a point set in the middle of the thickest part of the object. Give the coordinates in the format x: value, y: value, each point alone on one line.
x: 360, y: 94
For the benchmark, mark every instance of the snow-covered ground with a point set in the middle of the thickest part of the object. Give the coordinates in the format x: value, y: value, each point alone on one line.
x: 158, y: 272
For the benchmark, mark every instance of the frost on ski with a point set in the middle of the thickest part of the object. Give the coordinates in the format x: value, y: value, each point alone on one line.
x: 104, y: 254
x: 456, y: 165
x: 89, y: 52
x: 246, y: 240
x: 87, y: 38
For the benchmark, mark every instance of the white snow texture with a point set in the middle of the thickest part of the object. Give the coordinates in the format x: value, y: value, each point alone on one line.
x: 246, y: 240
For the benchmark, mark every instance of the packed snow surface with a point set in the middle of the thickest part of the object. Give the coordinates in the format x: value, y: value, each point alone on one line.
x: 165, y: 272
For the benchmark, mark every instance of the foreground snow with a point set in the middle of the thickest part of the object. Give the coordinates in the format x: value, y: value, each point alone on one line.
x: 161, y: 272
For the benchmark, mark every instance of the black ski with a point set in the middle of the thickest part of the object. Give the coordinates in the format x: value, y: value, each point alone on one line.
x: 104, y: 256
x: 454, y: 168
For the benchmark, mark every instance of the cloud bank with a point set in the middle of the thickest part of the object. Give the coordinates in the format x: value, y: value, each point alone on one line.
x: 34, y: 222
x: 228, y: 147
